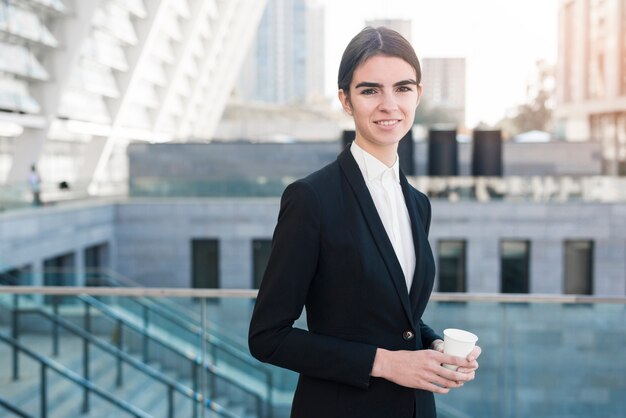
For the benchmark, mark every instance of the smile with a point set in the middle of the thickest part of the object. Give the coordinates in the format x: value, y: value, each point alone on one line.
x: 387, y: 122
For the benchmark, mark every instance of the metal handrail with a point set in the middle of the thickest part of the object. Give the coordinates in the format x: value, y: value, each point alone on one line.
x: 126, y: 358
x: 106, y: 310
x: 73, y: 376
x: 13, y: 409
x: 155, y: 292
x: 189, y: 323
x: 166, y: 306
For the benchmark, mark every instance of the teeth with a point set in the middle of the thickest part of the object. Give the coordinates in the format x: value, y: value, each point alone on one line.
x: 387, y: 122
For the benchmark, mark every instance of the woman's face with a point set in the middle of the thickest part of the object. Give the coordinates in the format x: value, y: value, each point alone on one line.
x: 382, y: 100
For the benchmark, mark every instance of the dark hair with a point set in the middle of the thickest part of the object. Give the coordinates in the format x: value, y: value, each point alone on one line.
x: 370, y: 42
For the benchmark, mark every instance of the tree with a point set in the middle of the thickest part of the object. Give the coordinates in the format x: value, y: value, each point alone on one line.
x: 536, y: 113
x: 427, y: 114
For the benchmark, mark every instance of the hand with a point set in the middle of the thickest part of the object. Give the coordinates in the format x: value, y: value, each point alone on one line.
x: 472, y: 357
x: 421, y: 369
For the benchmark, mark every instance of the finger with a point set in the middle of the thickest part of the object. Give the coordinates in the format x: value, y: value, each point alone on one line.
x: 456, y: 375
x: 445, y: 383
x: 456, y: 361
x: 451, y: 384
x: 474, y: 354
x: 438, y: 345
x: 435, y: 389
x: 471, y: 366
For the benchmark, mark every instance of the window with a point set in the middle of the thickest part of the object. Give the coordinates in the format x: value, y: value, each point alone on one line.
x: 261, y: 249
x: 578, y: 269
x: 514, y: 266
x: 205, y: 263
x: 59, y: 271
x: 452, y: 266
x: 96, y: 260
x: 21, y: 276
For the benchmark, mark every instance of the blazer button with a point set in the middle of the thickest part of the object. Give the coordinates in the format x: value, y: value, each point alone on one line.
x: 408, y: 335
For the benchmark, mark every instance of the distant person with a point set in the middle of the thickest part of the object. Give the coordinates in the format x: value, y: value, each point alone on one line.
x: 351, y: 245
x: 34, y: 182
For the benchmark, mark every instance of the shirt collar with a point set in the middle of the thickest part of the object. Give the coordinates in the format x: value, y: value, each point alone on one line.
x: 371, y: 167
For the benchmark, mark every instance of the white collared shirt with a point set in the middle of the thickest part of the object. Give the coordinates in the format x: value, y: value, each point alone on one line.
x: 383, y: 184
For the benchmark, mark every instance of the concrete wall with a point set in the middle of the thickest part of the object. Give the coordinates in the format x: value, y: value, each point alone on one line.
x: 30, y: 236
x: 151, y: 239
x: 154, y: 237
x: 546, y: 226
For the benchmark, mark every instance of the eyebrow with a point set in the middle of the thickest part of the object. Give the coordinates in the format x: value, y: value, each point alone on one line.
x: 399, y: 83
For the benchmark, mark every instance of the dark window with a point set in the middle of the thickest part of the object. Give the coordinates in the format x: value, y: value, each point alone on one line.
x: 59, y: 271
x: 96, y: 262
x: 514, y: 266
x: 578, y: 267
x: 261, y: 249
x: 452, y: 270
x: 21, y: 276
x: 205, y: 263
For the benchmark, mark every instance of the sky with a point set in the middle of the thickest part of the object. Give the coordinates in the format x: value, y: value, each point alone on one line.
x: 500, y: 39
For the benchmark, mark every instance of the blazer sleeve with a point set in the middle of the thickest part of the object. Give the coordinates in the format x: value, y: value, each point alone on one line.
x: 291, y: 268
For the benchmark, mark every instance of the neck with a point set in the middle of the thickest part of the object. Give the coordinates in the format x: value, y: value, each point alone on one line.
x: 385, y: 154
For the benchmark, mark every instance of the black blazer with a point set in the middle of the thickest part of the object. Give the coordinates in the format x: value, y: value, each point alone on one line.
x: 331, y: 254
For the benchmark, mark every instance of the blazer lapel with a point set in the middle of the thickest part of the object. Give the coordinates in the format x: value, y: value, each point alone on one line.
x: 416, y: 223
x: 352, y: 172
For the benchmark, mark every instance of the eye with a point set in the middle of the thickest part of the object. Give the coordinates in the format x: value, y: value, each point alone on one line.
x: 368, y: 92
x: 404, y: 89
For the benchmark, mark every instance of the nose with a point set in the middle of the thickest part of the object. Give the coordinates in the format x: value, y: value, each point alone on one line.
x: 388, y: 102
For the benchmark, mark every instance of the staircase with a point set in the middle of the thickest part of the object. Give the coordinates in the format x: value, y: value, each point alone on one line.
x: 154, y: 388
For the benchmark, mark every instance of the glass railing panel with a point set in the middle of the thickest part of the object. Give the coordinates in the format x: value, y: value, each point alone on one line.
x: 541, y: 357
x: 87, y: 337
x: 452, y: 189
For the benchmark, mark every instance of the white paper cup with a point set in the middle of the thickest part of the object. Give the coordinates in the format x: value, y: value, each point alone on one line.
x: 458, y: 343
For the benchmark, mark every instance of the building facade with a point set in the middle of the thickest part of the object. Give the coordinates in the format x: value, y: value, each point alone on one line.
x: 285, y: 63
x: 80, y: 79
x: 591, y: 77
x: 496, y: 247
x: 444, y: 87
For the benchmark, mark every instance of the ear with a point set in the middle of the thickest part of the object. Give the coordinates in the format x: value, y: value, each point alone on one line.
x: 345, y: 101
x: 419, y: 94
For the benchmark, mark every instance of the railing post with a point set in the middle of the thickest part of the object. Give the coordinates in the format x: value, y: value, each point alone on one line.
x: 170, y: 401
x: 55, y: 326
x: 85, y: 408
x: 214, y: 354
x: 194, y: 384
x: 259, y: 407
x: 203, y: 357
x: 86, y: 359
x: 212, y: 382
x: 119, y: 345
x: 15, y: 335
x: 270, y: 394
x: 144, y: 347
x: 44, y: 392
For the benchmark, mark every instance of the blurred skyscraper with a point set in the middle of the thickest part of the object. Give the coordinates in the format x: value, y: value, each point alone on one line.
x: 444, y: 87
x: 402, y: 26
x: 591, y: 77
x: 443, y: 78
x: 80, y: 79
x: 285, y: 63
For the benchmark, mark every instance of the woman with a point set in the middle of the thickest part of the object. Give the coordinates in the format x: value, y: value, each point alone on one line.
x: 351, y: 246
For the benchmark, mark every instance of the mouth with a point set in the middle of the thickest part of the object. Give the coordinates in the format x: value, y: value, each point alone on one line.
x: 387, y: 122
